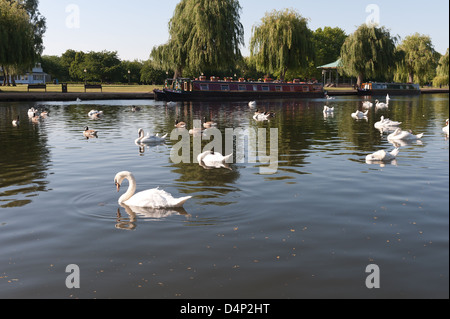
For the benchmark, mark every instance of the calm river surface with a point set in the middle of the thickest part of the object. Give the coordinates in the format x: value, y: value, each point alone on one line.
x: 309, y: 230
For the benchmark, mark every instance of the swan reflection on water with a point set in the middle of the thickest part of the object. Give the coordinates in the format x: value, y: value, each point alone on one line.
x: 130, y: 222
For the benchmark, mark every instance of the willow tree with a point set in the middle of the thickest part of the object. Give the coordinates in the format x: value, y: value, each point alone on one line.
x: 418, y: 59
x: 369, y: 52
x: 282, y: 42
x: 442, y: 71
x: 17, y: 44
x: 204, y: 35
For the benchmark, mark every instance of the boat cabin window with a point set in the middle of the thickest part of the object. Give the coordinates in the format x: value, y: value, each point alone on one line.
x: 278, y: 88
x: 204, y: 87
x: 225, y: 87
x: 265, y: 88
x: 255, y: 88
x: 242, y: 88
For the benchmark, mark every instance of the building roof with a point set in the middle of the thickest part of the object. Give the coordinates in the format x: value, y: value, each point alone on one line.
x: 334, y: 65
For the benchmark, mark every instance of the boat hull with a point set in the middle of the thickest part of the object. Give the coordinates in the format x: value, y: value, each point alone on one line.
x: 379, y: 89
x: 390, y: 92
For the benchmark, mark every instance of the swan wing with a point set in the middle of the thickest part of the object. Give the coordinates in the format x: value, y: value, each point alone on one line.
x: 377, y: 156
x: 156, y: 198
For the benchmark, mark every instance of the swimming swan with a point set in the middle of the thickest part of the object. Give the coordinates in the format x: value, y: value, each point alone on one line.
x: 379, y: 105
x: 399, y: 134
x: 94, y: 114
x: 383, y: 123
x: 360, y: 115
x: 328, y: 110
x: 382, y: 156
x: 152, y: 198
x: 16, y: 122
x: 155, y: 139
x: 211, y: 159
x: 367, y: 104
x: 445, y: 128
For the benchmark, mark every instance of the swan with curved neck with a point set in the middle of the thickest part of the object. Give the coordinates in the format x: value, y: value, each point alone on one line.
x: 147, y: 139
x: 152, y: 198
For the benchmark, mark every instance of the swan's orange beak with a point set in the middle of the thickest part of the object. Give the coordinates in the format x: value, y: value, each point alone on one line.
x: 118, y: 187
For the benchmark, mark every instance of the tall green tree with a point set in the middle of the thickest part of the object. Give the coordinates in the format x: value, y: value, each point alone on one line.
x: 328, y: 43
x: 204, y: 35
x: 370, y: 52
x: 104, y: 66
x: 37, y: 21
x: 442, y: 71
x: 16, y: 38
x: 282, y: 42
x: 418, y: 59
x: 52, y: 65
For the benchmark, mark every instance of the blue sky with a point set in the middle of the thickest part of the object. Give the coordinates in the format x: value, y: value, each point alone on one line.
x: 134, y: 27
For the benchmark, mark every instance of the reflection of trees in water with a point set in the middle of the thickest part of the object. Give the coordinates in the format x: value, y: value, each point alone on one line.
x: 207, y: 183
x: 24, y: 158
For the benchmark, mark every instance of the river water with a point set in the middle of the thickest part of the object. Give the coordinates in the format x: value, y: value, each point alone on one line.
x: 308, y: 229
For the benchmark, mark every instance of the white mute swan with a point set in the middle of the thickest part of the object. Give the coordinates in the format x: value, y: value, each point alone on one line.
x: 263, y: 116
x: 379, y: 105
x: 94, y: 114
x: 399, y: 134
x: 445, y: 128
x: 360, y: 115
x: 211, y: 159
x: 386, y: 123
x: 155, y: 139
x: 382, y: 156
x: 152, y: 198
x: 328, y: 110
x: 16, y: 122
x: 367, y: 104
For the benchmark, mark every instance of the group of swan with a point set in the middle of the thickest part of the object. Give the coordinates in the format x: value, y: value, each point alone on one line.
x: 378, y: 104
x: 34, y: 115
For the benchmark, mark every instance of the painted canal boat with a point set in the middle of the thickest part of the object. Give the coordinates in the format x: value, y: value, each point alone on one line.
x: 376, y: 88
x: 228, y: 89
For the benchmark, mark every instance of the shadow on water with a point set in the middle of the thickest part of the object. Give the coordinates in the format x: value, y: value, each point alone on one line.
x: 24, y: 159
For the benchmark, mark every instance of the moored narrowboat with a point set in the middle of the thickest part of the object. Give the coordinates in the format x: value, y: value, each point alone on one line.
x: 228, y: 89
x: 376, y: 88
